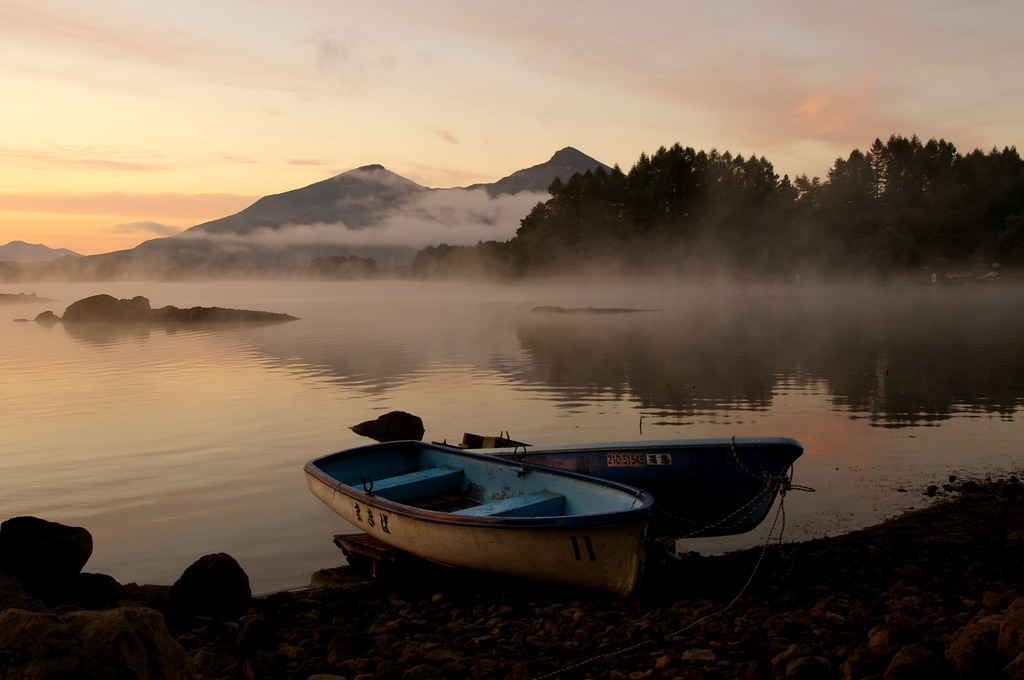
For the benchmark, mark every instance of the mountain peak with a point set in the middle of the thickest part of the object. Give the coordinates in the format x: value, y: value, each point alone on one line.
x: 571, y: 156
x: 356, y: 198
x: 563, y: 165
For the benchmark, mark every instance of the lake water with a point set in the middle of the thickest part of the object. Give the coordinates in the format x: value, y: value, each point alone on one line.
x: 168, y: 445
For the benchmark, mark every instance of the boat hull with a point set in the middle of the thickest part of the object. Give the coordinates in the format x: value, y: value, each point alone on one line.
x: 599, y: 550
x: 701, y: 487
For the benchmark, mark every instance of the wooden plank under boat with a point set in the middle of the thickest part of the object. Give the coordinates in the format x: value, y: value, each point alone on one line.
x: 367, y: 554
x: 701, y: 487
x: 465, y: 509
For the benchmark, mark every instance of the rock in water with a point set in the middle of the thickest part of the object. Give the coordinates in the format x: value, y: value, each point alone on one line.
x: 215, y: 315
x: 107, y: 308
x: 391, y: 427
x: 47, y: 318
x: 44, y: 555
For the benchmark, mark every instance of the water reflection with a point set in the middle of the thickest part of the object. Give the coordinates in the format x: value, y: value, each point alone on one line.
x: 897, y: 357
x: 107, y: 334
x: 903, y: 357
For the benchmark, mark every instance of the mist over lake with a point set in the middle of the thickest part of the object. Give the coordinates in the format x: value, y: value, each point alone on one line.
x: 168, y: 444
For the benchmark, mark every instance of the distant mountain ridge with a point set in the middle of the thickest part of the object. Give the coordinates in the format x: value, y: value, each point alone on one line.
x: 19, y: 251
x: 368, y: 212
x: 365, y: 196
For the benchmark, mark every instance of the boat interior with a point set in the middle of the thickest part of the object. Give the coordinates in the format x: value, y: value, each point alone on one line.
x: 441, y: 489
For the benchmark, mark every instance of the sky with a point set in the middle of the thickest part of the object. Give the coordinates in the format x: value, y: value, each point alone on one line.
x: 124, y: 120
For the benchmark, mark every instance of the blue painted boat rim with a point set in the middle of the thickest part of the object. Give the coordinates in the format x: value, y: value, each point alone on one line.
x: 777, y: 443
x: 642, y: 510
x: 784, y: 442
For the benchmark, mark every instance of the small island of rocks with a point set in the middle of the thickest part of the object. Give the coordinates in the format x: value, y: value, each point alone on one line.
x: 108, y: 309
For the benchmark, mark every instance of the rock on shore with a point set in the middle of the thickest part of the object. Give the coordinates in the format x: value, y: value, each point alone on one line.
x: 123, y: 642
x: 937, y: 593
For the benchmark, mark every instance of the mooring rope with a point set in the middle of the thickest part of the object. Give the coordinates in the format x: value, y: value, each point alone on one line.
x: 784, y: 485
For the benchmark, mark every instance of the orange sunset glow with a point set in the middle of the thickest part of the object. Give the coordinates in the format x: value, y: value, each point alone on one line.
x: 124, y: 122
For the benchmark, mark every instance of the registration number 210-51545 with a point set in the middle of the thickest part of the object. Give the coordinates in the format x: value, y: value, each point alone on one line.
x: 637, y: 459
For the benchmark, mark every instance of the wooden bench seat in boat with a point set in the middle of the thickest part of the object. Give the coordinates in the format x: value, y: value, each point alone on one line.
x: 416, y: 484
x: 537, y: 504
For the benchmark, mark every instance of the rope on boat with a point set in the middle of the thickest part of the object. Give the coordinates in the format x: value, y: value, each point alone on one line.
x: 779, y: 521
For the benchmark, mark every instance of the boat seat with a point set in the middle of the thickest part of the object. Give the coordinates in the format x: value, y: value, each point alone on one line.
x: 416, y: 484
x: 537, y: 504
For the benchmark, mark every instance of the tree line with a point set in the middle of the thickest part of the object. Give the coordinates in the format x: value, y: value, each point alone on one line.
x: 903, y: 204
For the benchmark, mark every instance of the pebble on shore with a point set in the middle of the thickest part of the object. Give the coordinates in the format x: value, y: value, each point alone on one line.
x: 936, y: 593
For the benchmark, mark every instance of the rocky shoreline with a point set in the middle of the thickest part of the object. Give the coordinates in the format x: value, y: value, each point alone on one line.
x: 936, y: 593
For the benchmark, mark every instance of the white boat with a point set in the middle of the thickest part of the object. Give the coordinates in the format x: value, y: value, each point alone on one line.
x: 481, y: 512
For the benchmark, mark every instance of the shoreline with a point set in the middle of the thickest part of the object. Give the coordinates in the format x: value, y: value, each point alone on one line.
x: 936, y: 592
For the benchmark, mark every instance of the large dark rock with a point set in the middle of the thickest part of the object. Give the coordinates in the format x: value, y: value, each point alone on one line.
x: 108, y: 309
x: 390, y: 427
x: 1011, y: 632
x: 214, y: 585
x: 972, y: 650
x: 46, y: 556
x: 13, y: 595
x: 916, y: 662
x: 95, y: 591
x: 128, y: 643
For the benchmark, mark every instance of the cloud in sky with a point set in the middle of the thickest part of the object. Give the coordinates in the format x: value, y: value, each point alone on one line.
x: 309, y: 161
x: 459, y: 217
x: 149, y: 228
x: 446, y: 136
x: 35, y: 22
x: 83, y: 158
x: 451, y: 216
x: 347, y: 58
x: 177, y: 205
x: 779, y: 74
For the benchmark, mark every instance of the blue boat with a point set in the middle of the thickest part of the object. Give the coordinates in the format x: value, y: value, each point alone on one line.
x: 701, y: 487
x: 482, y: 512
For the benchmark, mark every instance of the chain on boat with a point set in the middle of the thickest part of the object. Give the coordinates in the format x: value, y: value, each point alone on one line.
x: 773, y: 484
